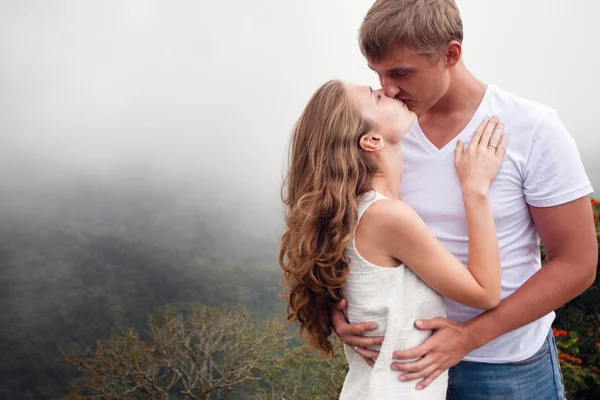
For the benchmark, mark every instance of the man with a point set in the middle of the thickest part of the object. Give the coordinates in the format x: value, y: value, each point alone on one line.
x: 541, y: 192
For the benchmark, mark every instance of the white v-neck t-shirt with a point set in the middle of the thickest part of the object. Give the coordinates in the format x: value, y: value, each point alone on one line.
x: 541, y: 168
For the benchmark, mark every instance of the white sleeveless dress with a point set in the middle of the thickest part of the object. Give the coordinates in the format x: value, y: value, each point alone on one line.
x: 393, y: 298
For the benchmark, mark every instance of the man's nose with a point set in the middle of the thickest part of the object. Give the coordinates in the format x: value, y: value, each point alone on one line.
x: 389, y: 88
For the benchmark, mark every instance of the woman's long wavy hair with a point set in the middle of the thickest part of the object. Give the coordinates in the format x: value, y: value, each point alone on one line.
x: 327, y: 174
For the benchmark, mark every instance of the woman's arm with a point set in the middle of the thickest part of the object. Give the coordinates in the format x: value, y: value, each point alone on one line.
x: 407, y: 238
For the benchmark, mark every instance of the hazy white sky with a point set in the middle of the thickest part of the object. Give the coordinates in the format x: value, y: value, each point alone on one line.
x: 210, y: 88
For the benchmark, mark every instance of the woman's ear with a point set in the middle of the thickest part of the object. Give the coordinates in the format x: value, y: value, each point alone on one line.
x: 371, y: 142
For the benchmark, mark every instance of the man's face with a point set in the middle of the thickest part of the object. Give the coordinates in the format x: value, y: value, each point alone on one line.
x: 413, y: 78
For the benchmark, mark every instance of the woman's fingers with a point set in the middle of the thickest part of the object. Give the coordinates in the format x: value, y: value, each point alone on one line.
x: 502, y: 145
x: 458, y: 151
x: 487, y: 133
x: 495, y: 138
x: 477, y: 135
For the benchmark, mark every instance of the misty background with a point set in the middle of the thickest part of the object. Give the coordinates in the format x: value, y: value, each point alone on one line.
x: 143, y: 143
x: 193, y: 101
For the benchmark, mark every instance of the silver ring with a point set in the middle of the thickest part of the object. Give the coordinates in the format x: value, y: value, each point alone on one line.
x: 355, y: 348
x: 493, y: 145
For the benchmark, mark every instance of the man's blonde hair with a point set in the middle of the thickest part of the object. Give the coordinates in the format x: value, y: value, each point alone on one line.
x: 424, y: 26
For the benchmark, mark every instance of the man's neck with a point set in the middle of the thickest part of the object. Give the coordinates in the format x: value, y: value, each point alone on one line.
x: 463, y: 95
x: 451, y: 114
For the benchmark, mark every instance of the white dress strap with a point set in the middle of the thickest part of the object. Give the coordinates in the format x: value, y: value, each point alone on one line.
x: 367, y: 200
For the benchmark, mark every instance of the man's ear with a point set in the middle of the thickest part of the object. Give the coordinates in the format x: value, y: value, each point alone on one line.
x: 371, y: 142
x: 453, y: 53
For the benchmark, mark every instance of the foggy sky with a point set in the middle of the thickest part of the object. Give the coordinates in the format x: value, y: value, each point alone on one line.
x: 207, y: 91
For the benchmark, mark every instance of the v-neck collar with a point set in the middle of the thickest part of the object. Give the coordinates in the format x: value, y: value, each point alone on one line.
x: 463, y: 135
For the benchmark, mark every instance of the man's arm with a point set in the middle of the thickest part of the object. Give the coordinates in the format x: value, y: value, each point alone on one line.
x: 569, y: 237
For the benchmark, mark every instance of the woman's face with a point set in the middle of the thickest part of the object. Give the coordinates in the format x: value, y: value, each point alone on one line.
x: 391, y: 117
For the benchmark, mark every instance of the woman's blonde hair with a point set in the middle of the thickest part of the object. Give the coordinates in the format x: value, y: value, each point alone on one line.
x: 328, y: 171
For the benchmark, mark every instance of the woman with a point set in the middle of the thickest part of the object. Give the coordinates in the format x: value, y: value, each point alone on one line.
x: 350, y: 235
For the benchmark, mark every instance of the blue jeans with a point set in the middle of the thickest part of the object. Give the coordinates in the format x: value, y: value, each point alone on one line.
x: 537, y: 378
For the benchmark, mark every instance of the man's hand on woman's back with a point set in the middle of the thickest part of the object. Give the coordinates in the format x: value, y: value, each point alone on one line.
x: 352, y: 334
